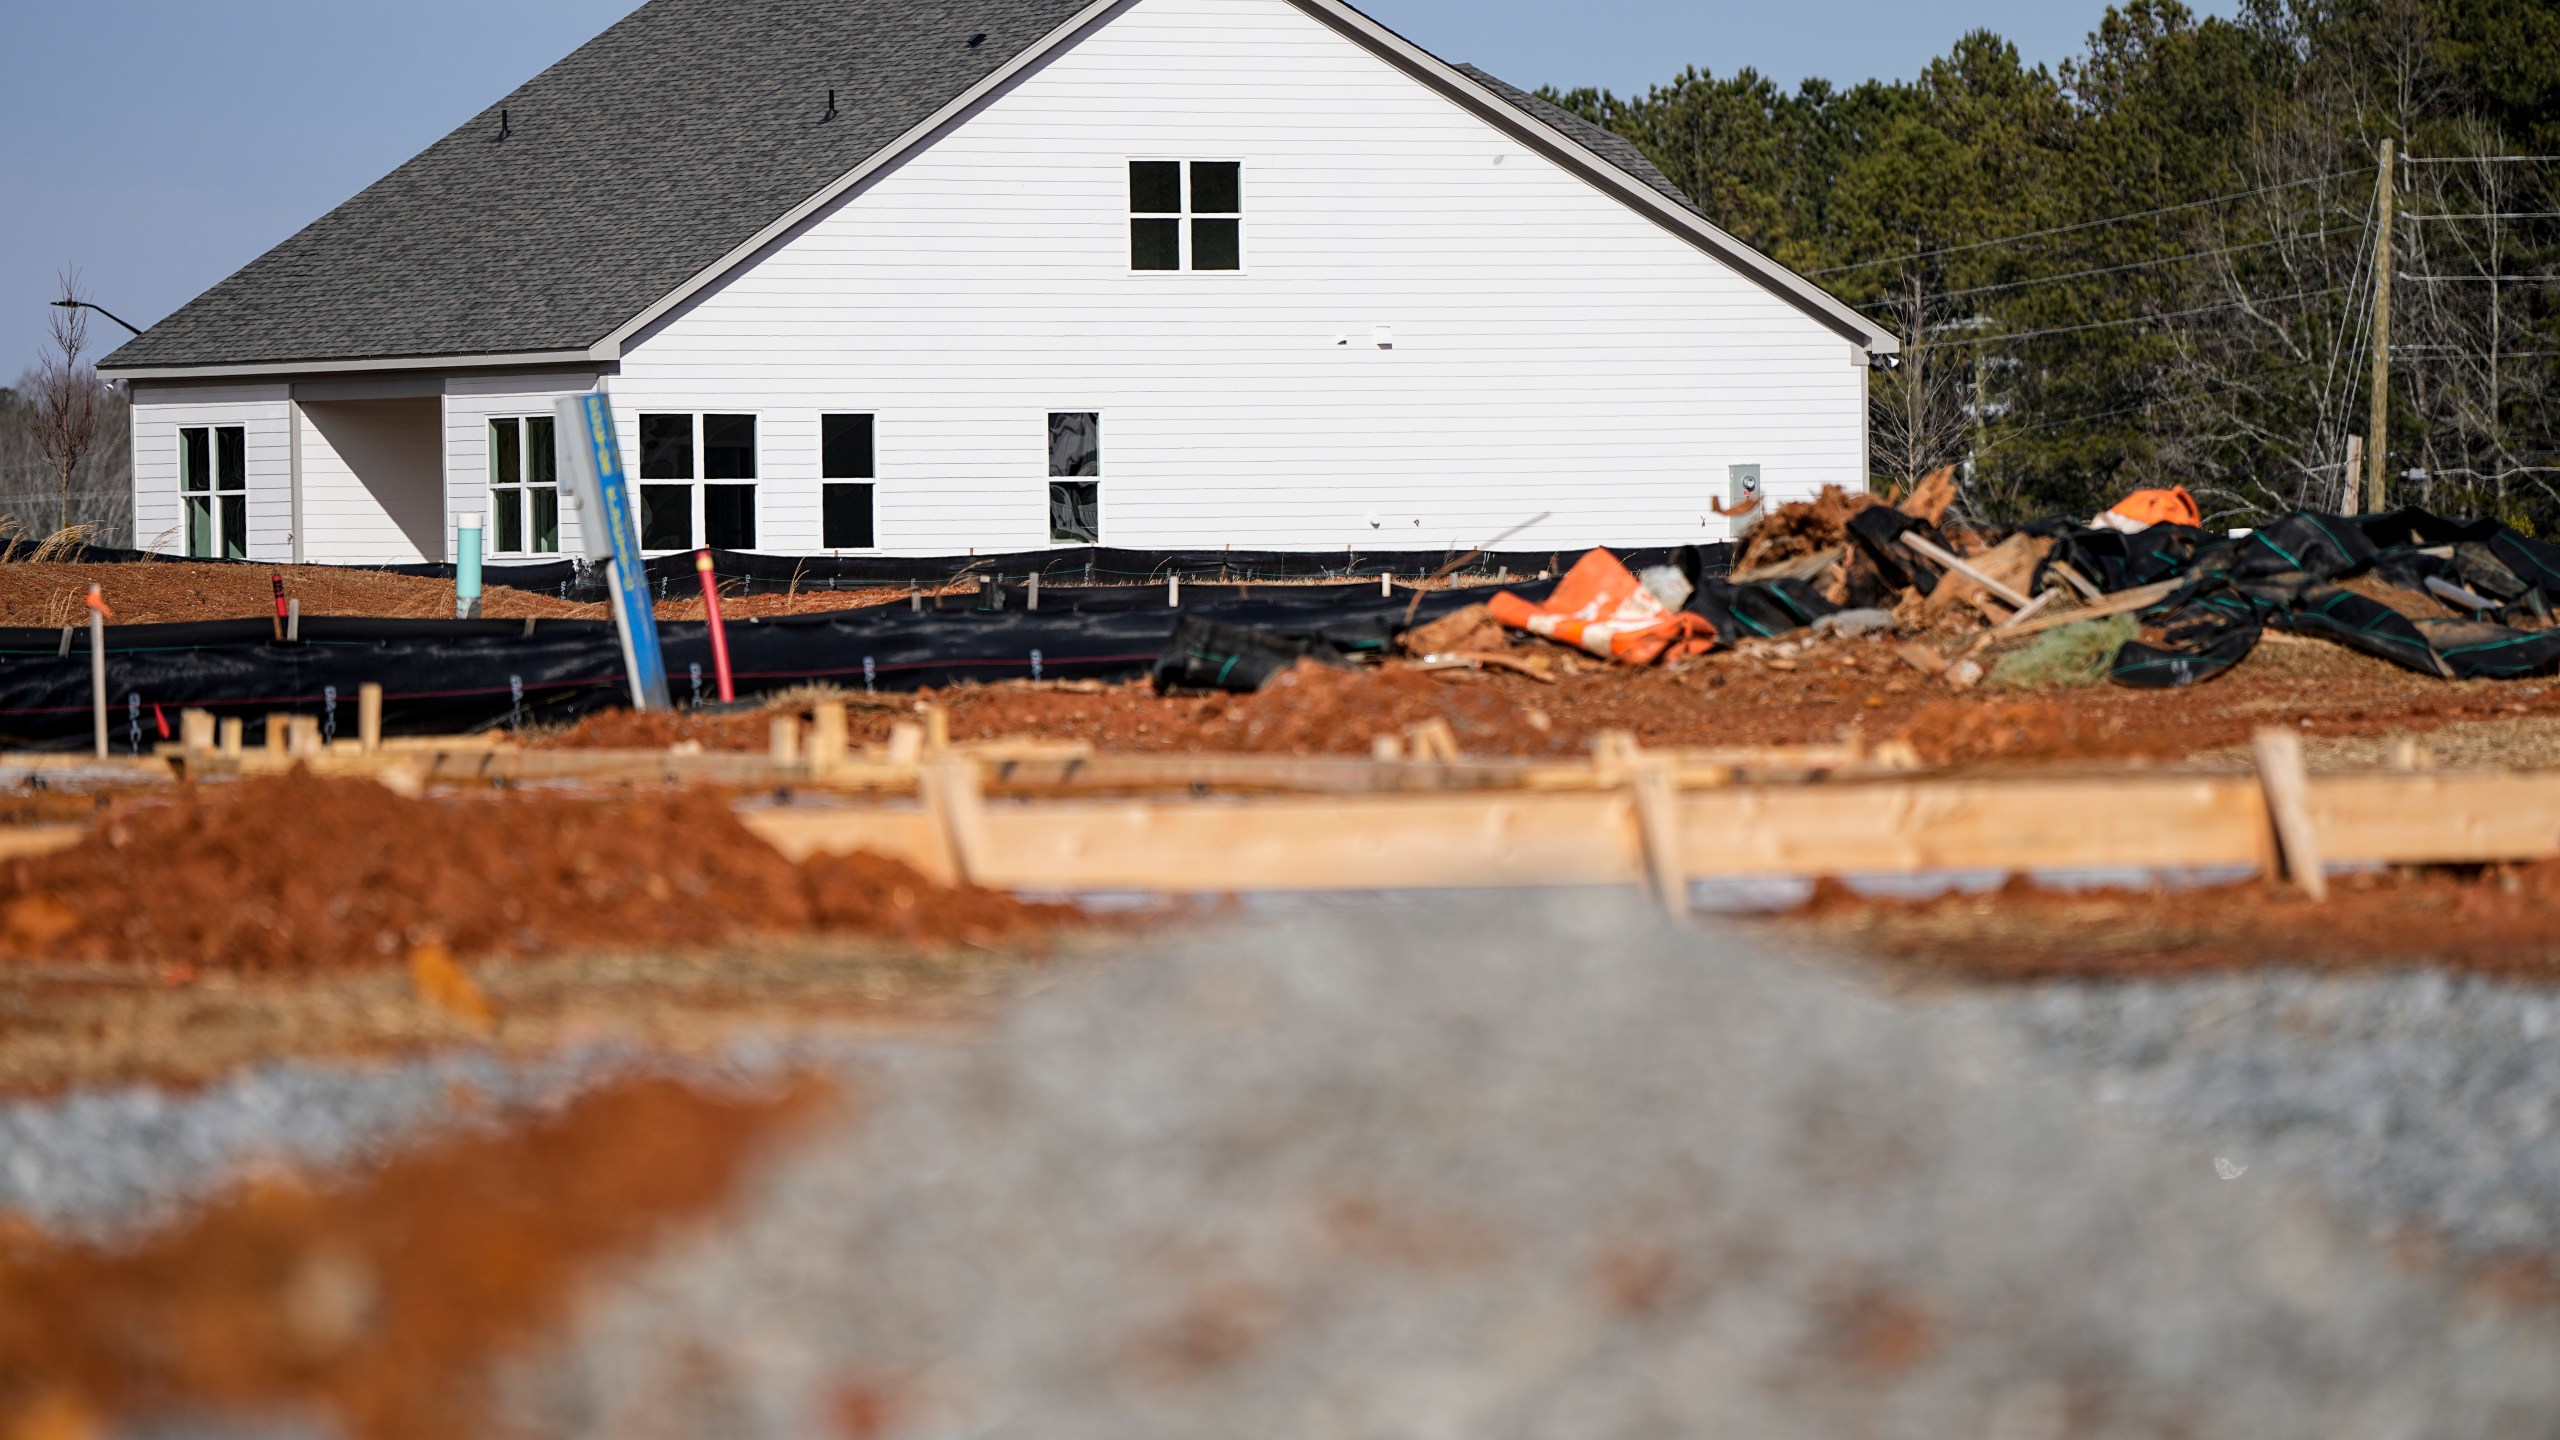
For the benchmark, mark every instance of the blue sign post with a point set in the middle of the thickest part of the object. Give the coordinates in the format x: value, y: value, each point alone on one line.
x: 592, y: 459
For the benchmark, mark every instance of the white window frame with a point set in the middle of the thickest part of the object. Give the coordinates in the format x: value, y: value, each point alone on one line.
x: 1101, y: 526
x: 825, y: 480
x: 524, y: 486
x: 1182, y: 219
x: 214, y: 493
x: 698, y: 523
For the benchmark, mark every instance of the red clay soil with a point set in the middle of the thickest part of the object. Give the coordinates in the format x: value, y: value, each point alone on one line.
x: 299, y: 872
x: 1843, y: 687
x: 152, y: 592
x: 383, y: 1303
x: 2497, y: 920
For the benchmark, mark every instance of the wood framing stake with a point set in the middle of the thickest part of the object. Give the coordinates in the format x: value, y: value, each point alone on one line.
x: 302, y: 735
x: 368, y: 718
x: 786, y: 740
x: 827, y: 733
x: 937, y: 730
x: 229, y: 733
x: 277, y: 724
x: 1655, y: 784
x: 195, y: 731
x: 1432, y: 739
x: 906, y: 743
x: 955, y: 802
x: 2282, y: 779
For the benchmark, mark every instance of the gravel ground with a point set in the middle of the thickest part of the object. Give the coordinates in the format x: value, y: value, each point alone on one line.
x: 1534, y: 1164
x: 1525, y: 1165
x: 99, y: 1162
x: 2415, y: 1102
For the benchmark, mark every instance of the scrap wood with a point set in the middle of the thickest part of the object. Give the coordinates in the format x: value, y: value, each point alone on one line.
x: 1487, y: 659
x: 1803, y: 567
x: 2139, y: 598
x: 2003, y: 570
x: 1928, y: 500
x: 2278, y: 751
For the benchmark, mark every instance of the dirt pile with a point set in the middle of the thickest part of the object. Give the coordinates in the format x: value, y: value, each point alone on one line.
x: 300, y: 872
x: 2499, y: 920
x: 383, y: 1303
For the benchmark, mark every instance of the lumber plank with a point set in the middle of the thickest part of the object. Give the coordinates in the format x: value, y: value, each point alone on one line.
x: 2140, y: 597
x: 26, y: 841
x: 2278, y: 751
x: 1952, y: 561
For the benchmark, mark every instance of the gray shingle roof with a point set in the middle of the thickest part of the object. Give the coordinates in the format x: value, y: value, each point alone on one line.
x: 645, y: 155
x: 1600, y: 140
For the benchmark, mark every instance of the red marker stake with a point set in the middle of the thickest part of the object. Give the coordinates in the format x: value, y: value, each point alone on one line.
x: 277, y: 579
x: 719, y: 632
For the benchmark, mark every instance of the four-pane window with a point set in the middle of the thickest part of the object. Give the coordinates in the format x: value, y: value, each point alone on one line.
x: 213, y: 480
x: 846, y: 467
x: 524, y: 487
x: 1186, y: 215
x: 697, y: 477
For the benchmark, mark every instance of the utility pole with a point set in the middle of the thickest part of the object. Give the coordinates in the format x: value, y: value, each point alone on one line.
x: 2378, y: 440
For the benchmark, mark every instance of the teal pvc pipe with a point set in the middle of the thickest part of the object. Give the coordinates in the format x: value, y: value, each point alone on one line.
x: 466, y: 569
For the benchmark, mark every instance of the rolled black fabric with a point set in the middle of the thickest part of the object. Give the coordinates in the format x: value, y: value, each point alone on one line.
x: 1760, y: 609
x: 1205, y: 655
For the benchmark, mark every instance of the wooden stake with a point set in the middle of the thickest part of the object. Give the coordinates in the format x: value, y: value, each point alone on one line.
x: 906, y: 743
x: 278, y: 723
x: 195, y: 731
x: 952, y: 796
x: 230, y: 733
x: 2287, y: 787
x: 1656, y: 788
x: 827, y: 737
x: 368, y: 718
x: 937, y: 730
x: 1433, y: 740
x: 786, y: 740
x: 302, y: 735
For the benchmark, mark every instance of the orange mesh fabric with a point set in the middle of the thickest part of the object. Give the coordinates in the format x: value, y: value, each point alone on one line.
x: 1600, y: 607
x: 2173, y: 506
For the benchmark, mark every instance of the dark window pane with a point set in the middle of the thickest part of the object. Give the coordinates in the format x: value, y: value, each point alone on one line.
x: 506, y: 515
x: 1217, y: 245
x: 235, y: 526
x: 1075, y: 512
x: 506, y: 453
x: 728, y: 447
x: 666, y: 517
x: 729, y: 516
x: 845, y: 448
x: 200, y: 539
x: 1217, y: 187
x: 231, y: 458
x: 1155, y: 187
x: 195, y: 466
x: 1075, y: 444
x: 546, y: 520
x: 666, y: 447
x: 541, y: 461
x: 848, y: 518
x: 1155, y: 244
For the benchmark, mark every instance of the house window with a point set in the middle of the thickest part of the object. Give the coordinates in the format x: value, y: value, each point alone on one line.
x: 697, y: 477
x: 1186, y: 216
x: 524, y: 487
x: 213, y: 480
x: 1075, y: 467
x: 845, y: 469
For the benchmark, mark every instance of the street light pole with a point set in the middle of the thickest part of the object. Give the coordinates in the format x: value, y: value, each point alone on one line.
x: 101, y: 309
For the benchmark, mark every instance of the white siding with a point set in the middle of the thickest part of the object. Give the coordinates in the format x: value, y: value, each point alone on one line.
x: 470, y: 402
x: 372, y: 481
x: 159, y: 411
x: 1553, y: 350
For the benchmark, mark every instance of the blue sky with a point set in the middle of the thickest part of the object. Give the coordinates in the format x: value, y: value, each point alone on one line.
x: 159, y: 145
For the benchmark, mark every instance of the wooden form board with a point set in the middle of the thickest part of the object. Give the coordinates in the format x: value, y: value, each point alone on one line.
x: 1593, y: 837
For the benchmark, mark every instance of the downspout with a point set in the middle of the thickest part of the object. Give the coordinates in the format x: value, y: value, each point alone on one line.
x: 293, y: 471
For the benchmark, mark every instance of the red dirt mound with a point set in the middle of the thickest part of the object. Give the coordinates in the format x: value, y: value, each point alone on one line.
x: 300, y: 871
x: 383, y: 1303
x: 2501, y: 920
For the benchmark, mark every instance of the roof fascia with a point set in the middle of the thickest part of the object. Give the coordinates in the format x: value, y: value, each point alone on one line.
x: 1596, y: 168
x: 917, y: 136
x: 346, y: 367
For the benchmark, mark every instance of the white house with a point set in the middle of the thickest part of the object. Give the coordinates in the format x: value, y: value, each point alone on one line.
x: 859, y: 276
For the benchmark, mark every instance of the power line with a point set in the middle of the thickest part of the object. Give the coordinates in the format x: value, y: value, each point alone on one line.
x: 2442, y: 279
x: 2083, y: 225
x: 2486, y: 215
x: 2477, y: 159
x: 2121, y: 269
x: 2147, y: 319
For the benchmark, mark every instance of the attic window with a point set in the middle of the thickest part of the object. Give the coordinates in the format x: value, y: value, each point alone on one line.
x: 1186, y: 216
